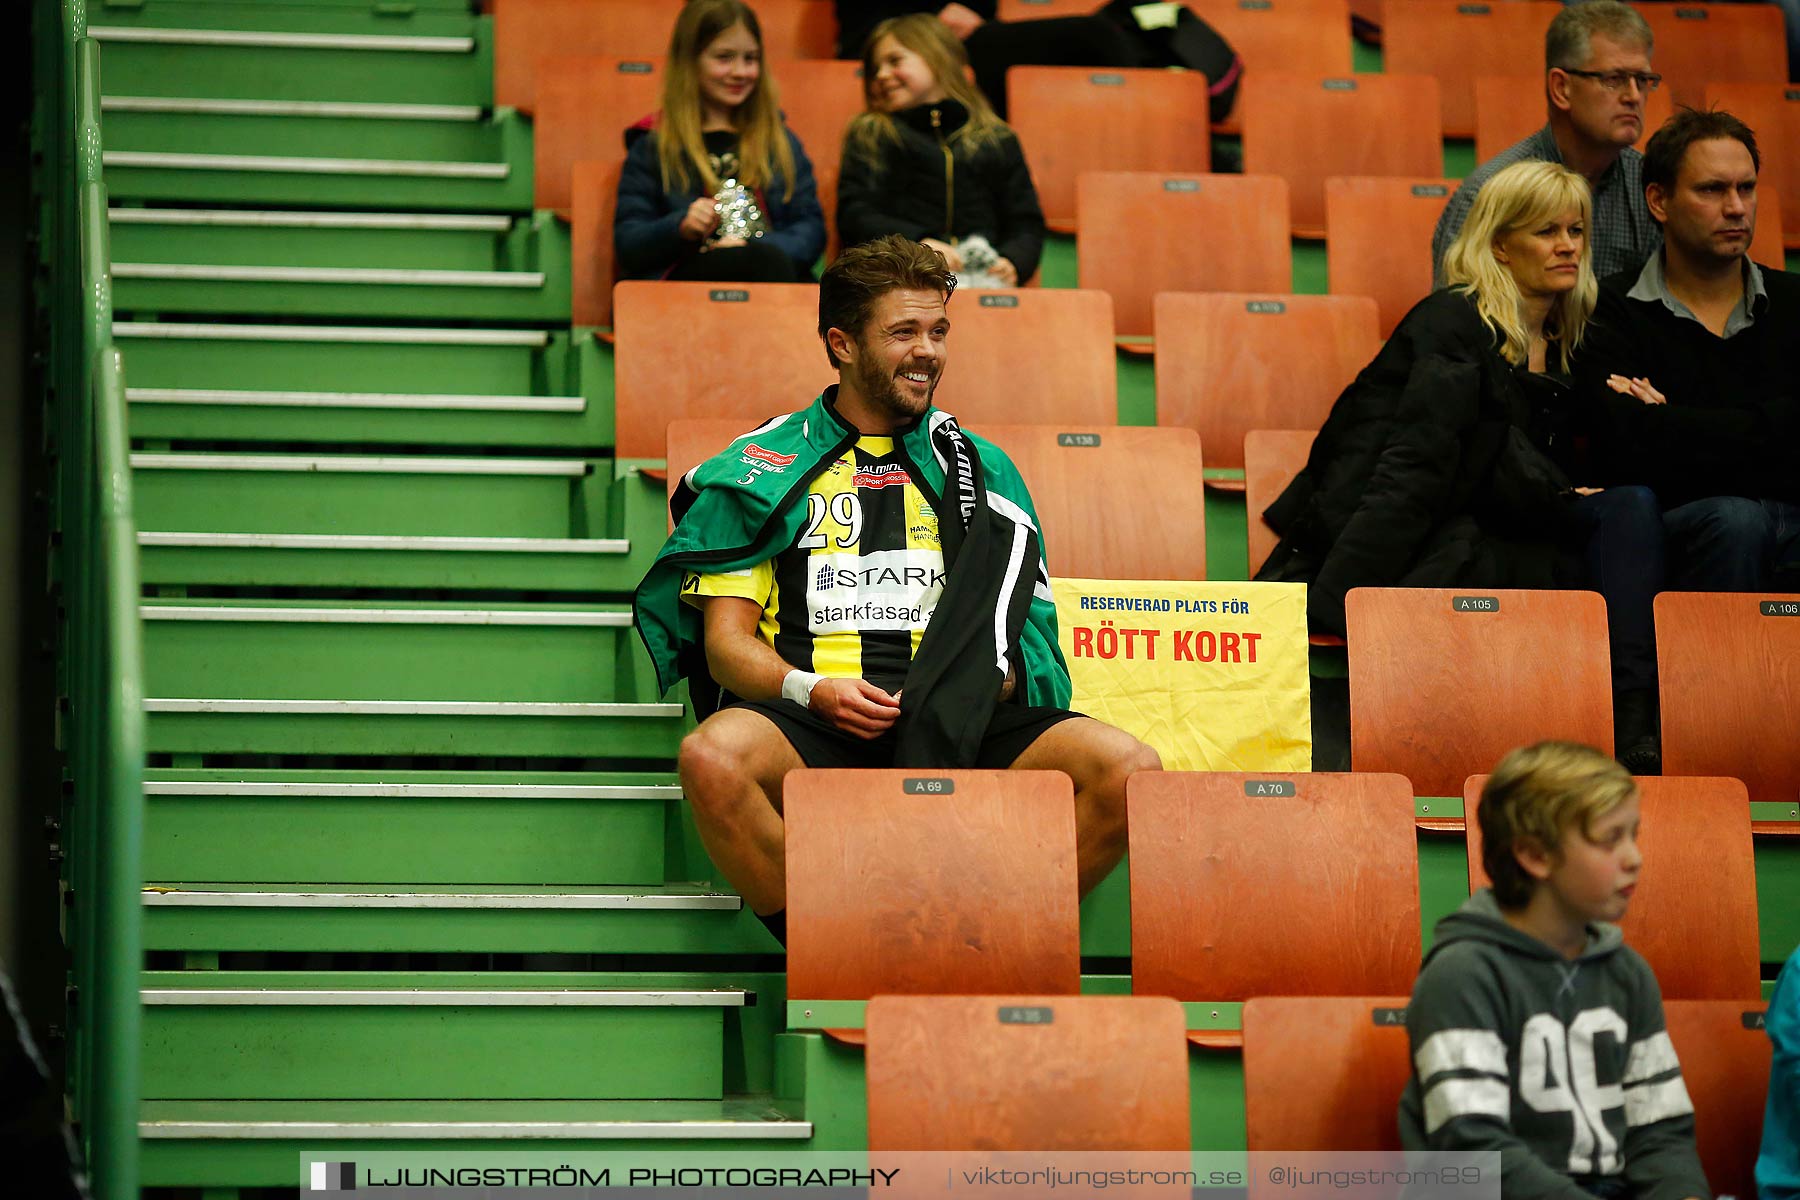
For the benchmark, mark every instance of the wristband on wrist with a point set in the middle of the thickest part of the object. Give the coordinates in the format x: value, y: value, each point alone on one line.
x: 798, y: 685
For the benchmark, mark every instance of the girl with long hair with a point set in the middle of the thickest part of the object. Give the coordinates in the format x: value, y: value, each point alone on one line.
x: 929, y: 159
x: 715, y: 186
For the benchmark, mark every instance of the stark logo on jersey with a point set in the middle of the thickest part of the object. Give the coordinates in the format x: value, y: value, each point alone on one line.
x: 886, y: 590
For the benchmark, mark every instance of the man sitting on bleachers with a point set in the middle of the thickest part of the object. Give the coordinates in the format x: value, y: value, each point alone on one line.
x: 1695, y: 359
x: 1597, y: 79
x: 860, y: 584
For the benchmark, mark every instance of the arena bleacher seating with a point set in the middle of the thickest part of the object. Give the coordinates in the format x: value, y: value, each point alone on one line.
x: 400, y: 445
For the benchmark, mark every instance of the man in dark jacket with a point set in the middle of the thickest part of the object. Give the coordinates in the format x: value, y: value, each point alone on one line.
x: 1695, y: 363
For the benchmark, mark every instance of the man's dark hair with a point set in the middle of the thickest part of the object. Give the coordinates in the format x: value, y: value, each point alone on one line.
x: 863, y: 274
x: 1669, y: 145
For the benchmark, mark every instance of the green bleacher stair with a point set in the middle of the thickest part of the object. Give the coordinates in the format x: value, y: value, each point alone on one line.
x: 324, y: 520
x: 246, y: 382
x: 385, y: 265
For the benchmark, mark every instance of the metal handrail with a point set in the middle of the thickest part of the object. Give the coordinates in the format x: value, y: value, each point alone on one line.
x: 103, y: 737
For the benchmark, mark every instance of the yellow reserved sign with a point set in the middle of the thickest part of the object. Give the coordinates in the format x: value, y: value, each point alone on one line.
x: 1213, y: 675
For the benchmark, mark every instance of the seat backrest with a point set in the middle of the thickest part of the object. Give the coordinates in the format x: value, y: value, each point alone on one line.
x: 584, y: 105
x: 1303, y: 36
x: 930, y: 883
x: 1443, y: 681
x: 748, y: 352
x: 1093, y: 485
x: 1026, y: 1073
x: 1032, y: 354
x: 1229, y: 897
x: 529, y: 31
x: 1227, y: 363
x: 1456, y: 41
x: 1147, y: 233
x: 1768, y: 242
x: 1076, y: 119
x: 1725, y: 1060
x: 818, y: 99
x: 1730, y: 694
x: 1272, y: 457
x: 692, y: 441
x: 1510, y: 108
x: 1324, y: 1072
x: 593, y: 198
x: 1307, y: 128
x: 1693, y: 916
x: 1698, y: 44
x: 1773, y: 111
x: 1378, y: 239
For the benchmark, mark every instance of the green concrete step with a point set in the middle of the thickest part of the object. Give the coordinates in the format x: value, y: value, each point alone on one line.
x: 602, y: 732
x: 431, y: 495
x: 324, y: 384
x: 272, y: 59
x: 685, y: 919
x: 429, y: 266
x: 287, y: 650
x: 321, y: 128
x: 408, y: 828
x: 283, y: 677
x: 353, y: 1036
x: 373, y: 521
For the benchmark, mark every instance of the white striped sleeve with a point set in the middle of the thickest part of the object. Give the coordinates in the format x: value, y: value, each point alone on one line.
x: 1479, y: 1085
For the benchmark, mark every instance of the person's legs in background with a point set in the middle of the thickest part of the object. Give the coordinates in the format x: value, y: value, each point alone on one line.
x: 1623, y: 532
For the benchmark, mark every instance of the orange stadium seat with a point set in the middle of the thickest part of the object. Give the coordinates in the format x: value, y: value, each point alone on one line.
x: 1272, y: 457
x: 1027, y: 1073
x: 1768, y: 242
x: 1230, y: 363
x: 585, y: 104
x: 892, y: 888
x: 753, y: 350
x: 750, y: 352
x: 1730, y: 694
x: 1076, y: 119
x: 693, y: 440
x: 1325, y: 1072
x: 1031, y: 10
x: 818, y: 99
x: 1093, y: 485
x: 1444, y: 681
x: 1693, y: 917
x: 1303, y: 36
x: 593, y: 197
x: 1725, y: 1060
x: 1772, y: 110
x: 1378, y: 240
x: 1227, y: 901
x: 528, y: 31
x: 1510, y: 108
x: 1308, y: 128
x: 1148, y: 233
x: 1455, y: 41
x: 1701, y: 44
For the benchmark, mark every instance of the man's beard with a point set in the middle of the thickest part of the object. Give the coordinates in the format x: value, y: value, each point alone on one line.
x: 880, y: 388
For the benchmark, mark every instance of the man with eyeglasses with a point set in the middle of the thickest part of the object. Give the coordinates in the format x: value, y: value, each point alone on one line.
x: 1597, y: 79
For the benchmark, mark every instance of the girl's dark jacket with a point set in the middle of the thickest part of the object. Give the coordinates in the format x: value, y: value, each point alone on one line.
x: 645, y: 241
x: 1441, y: 465
x: 927, y: 185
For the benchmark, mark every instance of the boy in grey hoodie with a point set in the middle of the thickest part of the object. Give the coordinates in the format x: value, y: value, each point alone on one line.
x: 1535, y: 1030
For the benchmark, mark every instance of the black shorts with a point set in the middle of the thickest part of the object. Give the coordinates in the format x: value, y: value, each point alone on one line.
x: 1013, y: 728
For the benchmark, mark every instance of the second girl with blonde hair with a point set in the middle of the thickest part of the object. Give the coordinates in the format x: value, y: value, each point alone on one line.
x: 930, y: 160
